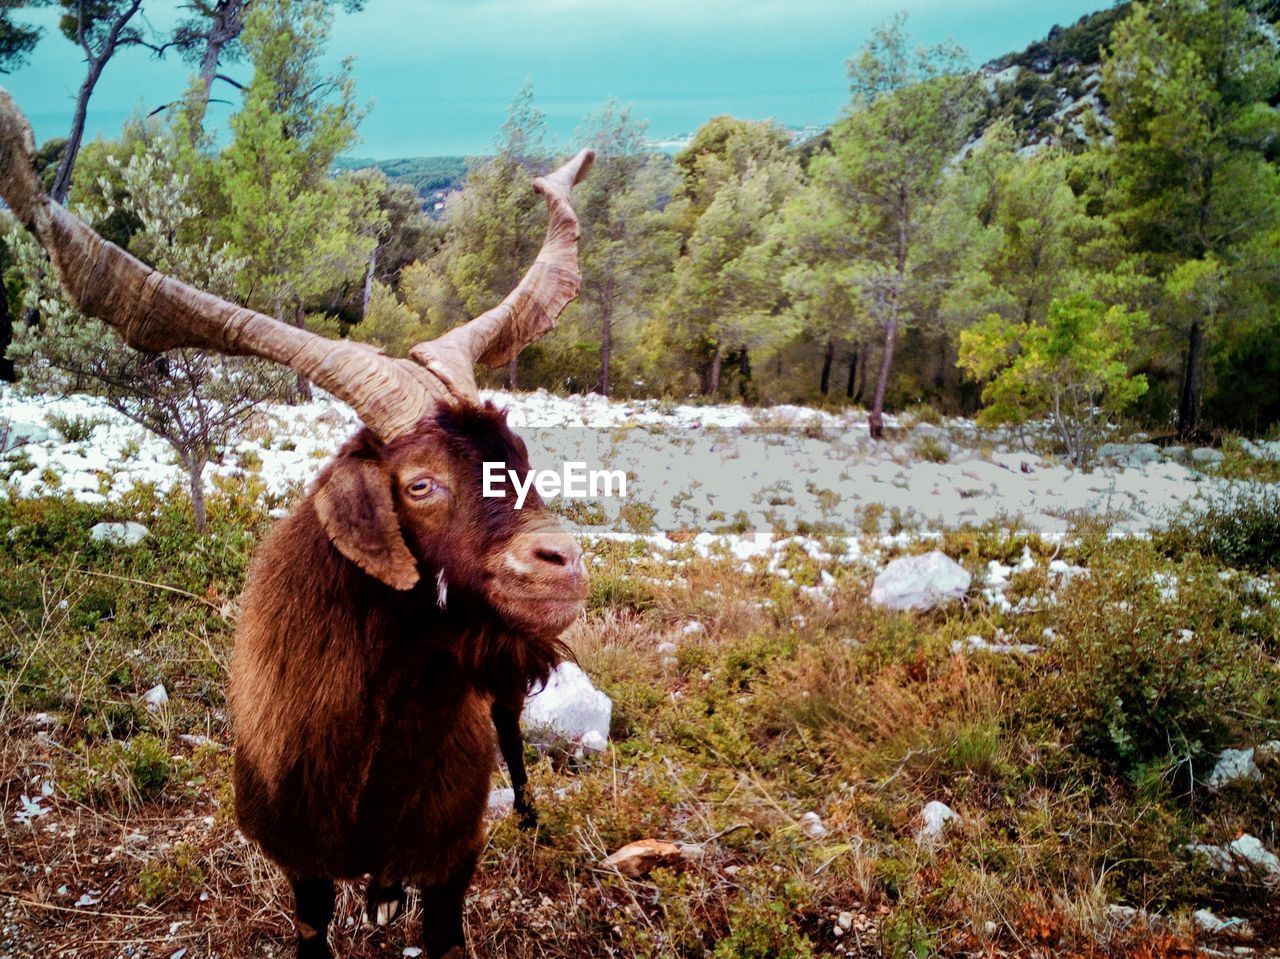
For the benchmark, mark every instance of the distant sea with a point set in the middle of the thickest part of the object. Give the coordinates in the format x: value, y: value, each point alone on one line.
x: 438, y: 74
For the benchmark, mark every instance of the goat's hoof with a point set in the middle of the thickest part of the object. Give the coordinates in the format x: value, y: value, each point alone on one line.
x: 383, y: 903
x: 527, y: 819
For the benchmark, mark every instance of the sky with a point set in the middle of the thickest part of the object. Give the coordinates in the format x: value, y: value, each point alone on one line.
x: 438, y: 75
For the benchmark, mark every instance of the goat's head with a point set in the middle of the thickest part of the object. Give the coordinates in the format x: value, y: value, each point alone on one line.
x: 414, y: 508
x: 404, y: 497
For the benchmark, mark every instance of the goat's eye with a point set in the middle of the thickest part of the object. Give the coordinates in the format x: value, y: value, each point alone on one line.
x: 423, y: 487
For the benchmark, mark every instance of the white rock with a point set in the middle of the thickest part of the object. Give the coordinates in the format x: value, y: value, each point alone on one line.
x: 920, y: 582
x: 119, y: 534
x: 1206, y: 455
x: 1245, y: 854
x: 692, y: 628
x: 935, y: 817
x: 976, y: 644
x: 568, y: 707
x: 593, y: 741
x: 845, y: 921
x: 1234, y: 765
x: 501, y: 801
x: 155, y: 697
x: 811, y: 825
x: 1207, y: 921
x: 665, y: 648
x: 412, y: 952
x: 15, y: 433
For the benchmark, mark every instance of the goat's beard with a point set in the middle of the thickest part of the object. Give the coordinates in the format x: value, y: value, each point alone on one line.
x: 508, y: 665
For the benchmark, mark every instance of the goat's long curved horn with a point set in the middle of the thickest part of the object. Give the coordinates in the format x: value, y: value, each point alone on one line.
x: 152, y: 311
x: 530, y: 310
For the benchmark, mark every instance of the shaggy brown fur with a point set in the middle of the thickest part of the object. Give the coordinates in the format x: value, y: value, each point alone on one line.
x: 379, y: 626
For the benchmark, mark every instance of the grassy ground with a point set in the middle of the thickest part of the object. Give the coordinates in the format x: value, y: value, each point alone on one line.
x: 1077, y: 773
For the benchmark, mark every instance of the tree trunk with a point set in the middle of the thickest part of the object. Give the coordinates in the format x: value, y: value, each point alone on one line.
x: 7, y: 372
x: 1189, y: 395
x: 853, y: 374
x: 828, y: 357
x: 713, y: 381
x: 225, y: 28
x: 606, y: 338
x: 513, y: 373
x: 195, y: 476
x: 876, y: 420
x: 62, y: 179
x: 302, y: 386
x: 744, y: 373
x: 368, y: 284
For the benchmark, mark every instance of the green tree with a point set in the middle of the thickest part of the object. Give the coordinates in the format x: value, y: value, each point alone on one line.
x: 820, y: 245
x: 728, y: 292
x: 910, y: 115
x: 1188, y: 85
x: 300, y: 232
x: 197, y: 402
x: 99, y: 28
x: 493, y: 229
x: 1071, y: 369
x: 17, y: 39
x: 627, y: 244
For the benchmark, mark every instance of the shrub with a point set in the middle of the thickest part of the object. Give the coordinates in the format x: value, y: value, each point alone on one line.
x: 1137, y: 678
x: 176, y: 875
x: 74, y: 429
x: 1240, y: 527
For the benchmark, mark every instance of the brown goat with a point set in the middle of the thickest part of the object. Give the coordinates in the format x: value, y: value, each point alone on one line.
x: 362, y: 707
x: 396, y: 613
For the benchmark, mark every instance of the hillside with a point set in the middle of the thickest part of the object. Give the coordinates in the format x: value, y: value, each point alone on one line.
x: 427, y: 175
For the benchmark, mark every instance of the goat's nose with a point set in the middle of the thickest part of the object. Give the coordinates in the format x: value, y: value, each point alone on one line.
x: 558, y: 552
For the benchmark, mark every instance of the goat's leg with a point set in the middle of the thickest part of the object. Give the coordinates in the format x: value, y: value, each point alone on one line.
x: 312, y: 910
x: 442, y: 934
x: 383, y: 902
x: 506, y: 720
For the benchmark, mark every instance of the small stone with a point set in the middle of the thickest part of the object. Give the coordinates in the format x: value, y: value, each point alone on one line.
x: 667, y: 647
x: 1234, y: 765
x: 845, y: 921
x: 1206, y: 456
x: 412, y: 952
x: 593, y: 742
x: 935, y: 816
x: 501, y: 801
x: 920, y: 582
x: 155, y: 697
x: 119, y: 534
x: 837, y: 931
x: 692, y: 628
x: 811, y: 825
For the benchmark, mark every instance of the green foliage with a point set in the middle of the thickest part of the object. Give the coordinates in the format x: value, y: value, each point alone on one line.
x: 764, y: 930
x: 1072, y: 369
x: 175, y: 876
x: 118, y: 773
x: 1152, y: 666
x: 74, y: 429
x: 1239, y: 526
x: 299, y: 232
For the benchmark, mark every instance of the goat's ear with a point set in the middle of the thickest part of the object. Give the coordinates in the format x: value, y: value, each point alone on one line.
x: 355, y: 509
